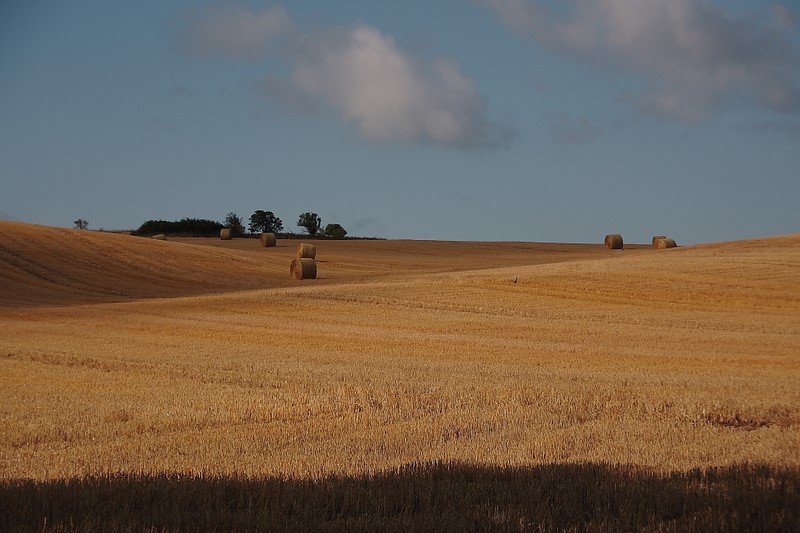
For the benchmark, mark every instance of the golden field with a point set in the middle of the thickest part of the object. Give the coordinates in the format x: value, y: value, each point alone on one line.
x: 409, y: 362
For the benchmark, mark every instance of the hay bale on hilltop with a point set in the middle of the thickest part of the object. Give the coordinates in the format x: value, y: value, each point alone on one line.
x: 664, y: 243
x: 306, y: 250
x: 614, y: 241
x: 656, y: 237
x: 225, y: 234
x: 303, y: 268
x: 159, y: 237
x: 268, y: 240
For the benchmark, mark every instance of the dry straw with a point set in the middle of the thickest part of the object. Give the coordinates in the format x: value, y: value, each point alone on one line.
x: 268, y: 240
x: 656, y: 237
x: 159, y: 237
x: 303, y: 268
x: 614, y: 241
x: 305, y: 250
x: 664, y: 243
x: 225, y: 234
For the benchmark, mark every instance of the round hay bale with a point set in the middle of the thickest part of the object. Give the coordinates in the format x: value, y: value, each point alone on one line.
x: 306, y: 250
x: 303, y: 268
x: 268, y: 240
x: 225, y: 234
x: 663, y: 244
x: 656, y: 237
x: 614, y: 241
x: 159, y: 237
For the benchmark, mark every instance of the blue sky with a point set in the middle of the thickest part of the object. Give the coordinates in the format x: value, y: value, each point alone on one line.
x: 530, y: 120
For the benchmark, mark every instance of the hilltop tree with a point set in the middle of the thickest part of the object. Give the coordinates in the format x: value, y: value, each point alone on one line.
x: 335, y: 231
x: 80, y: 224
x: 185, y: 226
x: 233, y: 221
x: 265, y: 222
x: 311, y: 222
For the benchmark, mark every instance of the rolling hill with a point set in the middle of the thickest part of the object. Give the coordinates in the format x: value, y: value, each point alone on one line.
x: 200, y: 359
x: 57, y: 266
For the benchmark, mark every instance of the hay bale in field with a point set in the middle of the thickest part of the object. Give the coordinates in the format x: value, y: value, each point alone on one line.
x: 656, y: 237
x: 225, y: 234
x: 664, y: 243
x: 614, y: 241
x: 303, y: 268
x: 268, y: 240
x: 159, y: 237
x: 306, y: 250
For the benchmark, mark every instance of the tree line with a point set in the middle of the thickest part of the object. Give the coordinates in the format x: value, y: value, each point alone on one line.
x: 261, y: 221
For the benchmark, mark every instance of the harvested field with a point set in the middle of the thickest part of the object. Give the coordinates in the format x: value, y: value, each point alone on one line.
x: 408, y: 366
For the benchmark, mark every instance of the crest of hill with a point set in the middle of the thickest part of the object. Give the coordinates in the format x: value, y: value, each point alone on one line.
x: 45, y: 266
x: 757, y: 277
x: 760, y: 274
x: 57, y: 266
x: 42, y: 266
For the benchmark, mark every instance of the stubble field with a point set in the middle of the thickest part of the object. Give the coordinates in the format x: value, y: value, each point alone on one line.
x: 413, y: 384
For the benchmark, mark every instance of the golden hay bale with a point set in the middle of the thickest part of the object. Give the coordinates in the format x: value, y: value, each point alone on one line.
x: 614, y: 241
x: 306, y: 250
x: 225, y: 234
x: 663, y: 244
x: 268, y: 240
x: 159, y: 237
x: 656, y: 237
x: 303, y: 268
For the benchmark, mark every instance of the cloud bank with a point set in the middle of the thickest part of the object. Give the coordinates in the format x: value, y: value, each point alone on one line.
x: 358, y: 75
x: 694, y: 57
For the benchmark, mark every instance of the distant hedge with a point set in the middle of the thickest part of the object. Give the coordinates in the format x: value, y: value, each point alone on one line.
x: 185, y: 226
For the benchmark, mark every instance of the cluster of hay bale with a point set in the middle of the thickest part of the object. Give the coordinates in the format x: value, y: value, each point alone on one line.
x: 660, y: 242
x: 304, y: 266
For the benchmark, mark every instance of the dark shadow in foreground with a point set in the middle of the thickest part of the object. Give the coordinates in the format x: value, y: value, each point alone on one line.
x: 422, y: 497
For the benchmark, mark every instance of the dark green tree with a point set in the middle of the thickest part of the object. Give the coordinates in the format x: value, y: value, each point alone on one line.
x: 265, y: 222
x: 335, y: 231
x: 311, y: 222
x: 80, y: 224
x: 233, y: 221
x: 184, y: 226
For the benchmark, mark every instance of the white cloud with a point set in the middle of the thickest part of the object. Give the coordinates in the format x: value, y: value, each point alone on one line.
x: 361, y: 76
x: 236, y: 31
x: 694, y: 56
x: 357, y: 74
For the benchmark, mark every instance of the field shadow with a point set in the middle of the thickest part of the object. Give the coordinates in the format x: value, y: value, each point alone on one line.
x: 422, y: 497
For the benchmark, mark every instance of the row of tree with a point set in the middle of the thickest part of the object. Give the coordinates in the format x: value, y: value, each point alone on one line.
x: 184, y: 226
x: 260, y: 222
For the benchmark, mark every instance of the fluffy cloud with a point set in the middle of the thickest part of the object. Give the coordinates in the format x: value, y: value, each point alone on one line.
x: 358, y: 75
x: 388, y: 95
x: 695, y: 57
x: 235, y: 31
